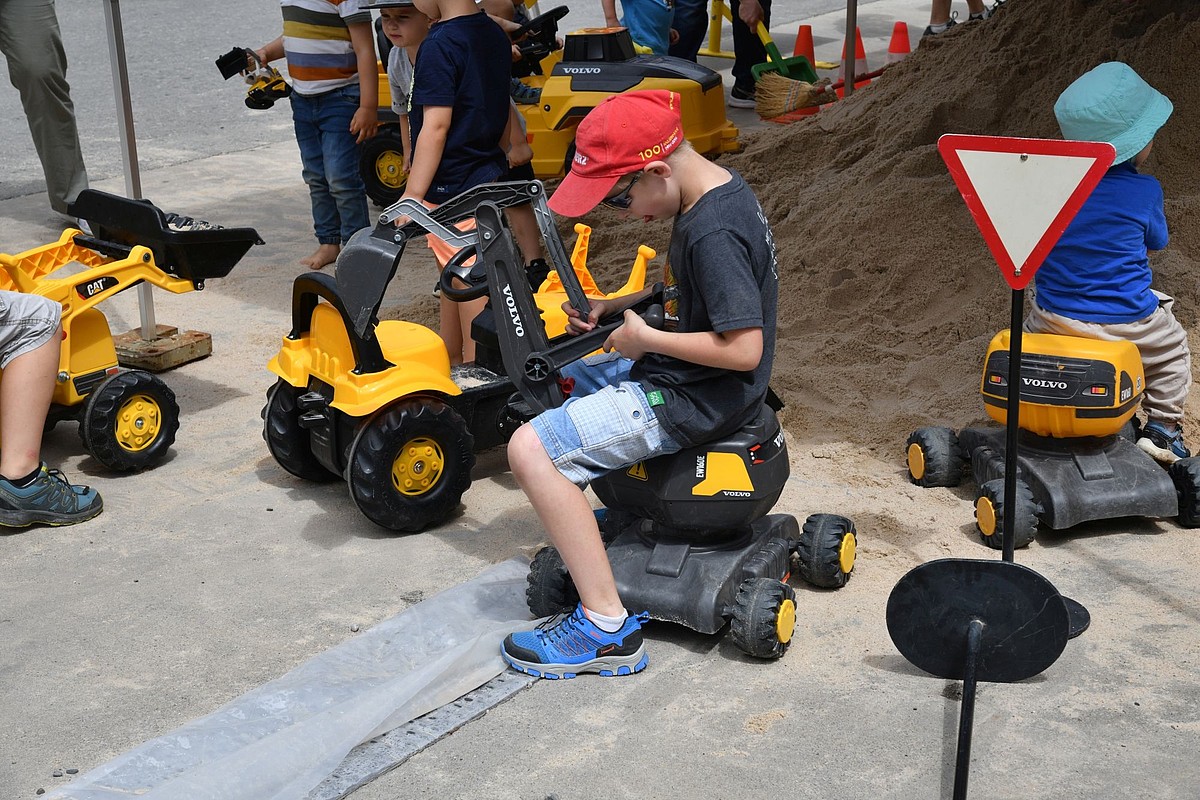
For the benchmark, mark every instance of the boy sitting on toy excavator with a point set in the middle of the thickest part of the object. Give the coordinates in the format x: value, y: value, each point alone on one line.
x: 656, y: 391
x: 1095, y: 283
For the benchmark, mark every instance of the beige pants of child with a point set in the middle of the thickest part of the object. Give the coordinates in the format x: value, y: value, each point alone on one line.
x: 1161, y: 340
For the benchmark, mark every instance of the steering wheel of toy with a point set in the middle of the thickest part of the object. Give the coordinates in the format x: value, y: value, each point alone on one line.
x: 542, y: 40
x: 537, y: 25
x: 471, y: 274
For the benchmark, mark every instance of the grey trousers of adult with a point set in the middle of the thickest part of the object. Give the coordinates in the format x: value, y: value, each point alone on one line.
x: 37, y: 65
x: 1161, y: 340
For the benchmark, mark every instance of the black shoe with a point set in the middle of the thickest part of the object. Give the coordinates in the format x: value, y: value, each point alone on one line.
x: 950, y: 23
x: 741, y: 98
x: 537, y: 272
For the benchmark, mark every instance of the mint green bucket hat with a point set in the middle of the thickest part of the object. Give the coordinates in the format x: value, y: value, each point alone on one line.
x: 1112, y: 103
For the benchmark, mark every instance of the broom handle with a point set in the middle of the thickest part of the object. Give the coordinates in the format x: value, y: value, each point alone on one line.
x: 833, y: 87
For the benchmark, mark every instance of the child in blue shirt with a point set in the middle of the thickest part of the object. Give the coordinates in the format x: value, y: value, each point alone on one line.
x: 1096, y: 282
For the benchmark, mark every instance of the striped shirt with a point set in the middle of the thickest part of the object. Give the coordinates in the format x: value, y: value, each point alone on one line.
x: 316, y: 42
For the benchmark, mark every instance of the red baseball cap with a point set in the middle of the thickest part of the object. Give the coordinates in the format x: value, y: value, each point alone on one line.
x: 619, y: 136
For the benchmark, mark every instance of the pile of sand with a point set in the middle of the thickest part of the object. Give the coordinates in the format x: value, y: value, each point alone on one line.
x: 888, y: 294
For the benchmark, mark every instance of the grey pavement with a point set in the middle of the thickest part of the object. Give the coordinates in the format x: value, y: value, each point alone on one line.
x: 216, y: 571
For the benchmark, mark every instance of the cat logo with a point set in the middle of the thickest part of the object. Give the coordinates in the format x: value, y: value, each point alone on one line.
x: 638, y: 471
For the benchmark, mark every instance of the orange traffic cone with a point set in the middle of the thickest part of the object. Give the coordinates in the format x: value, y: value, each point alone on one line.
x: 860, y: 62
x: 899, y: 46
x: 804, y: 44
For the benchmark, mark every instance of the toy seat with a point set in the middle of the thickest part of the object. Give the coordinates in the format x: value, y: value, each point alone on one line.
x: 194, y: 255
x: 1070, y: 386
x: 707, y: 494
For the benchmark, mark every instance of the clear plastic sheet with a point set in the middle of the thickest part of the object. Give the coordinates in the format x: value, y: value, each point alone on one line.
x: 282, y: 739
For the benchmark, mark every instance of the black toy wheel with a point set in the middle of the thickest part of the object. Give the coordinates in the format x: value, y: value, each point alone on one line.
x: 989, y: 514
x: 381, y: 164
x: 129, y: 421
x: 550, y: 589
x: 410, y: 464
x: 764, y: 617
x: 827, y: 549
x: 934, y: 457
x: 1186, y: 475
x: 286, y: 440
x: 986, y: 465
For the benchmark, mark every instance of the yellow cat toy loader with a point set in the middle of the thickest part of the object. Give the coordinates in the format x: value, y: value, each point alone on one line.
x: 592, y: 64
x: 127, y: 417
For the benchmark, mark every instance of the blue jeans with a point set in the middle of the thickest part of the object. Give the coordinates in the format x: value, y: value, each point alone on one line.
x: 330, y: 158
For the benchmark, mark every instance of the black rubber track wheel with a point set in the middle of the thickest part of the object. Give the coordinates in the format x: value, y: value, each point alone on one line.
x: 934, y: 457
x: 764, y: 617
x: 826, y: 550
x: 1186, y: 474
x: 129, y: 421
x: 410, y: 464
x: 381, y: 165
x: 989, y: 514
x: 287, y: 442
x: 550, y: 590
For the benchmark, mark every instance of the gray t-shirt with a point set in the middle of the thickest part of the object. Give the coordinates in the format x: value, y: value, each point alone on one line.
x: 400, y: 78
x: 722, y: 262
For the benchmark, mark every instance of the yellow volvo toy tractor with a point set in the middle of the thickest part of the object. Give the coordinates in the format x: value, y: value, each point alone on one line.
x: 127, y: 417
x: 377, y: 402
x: 592, y: 64
x: 1077, y: 460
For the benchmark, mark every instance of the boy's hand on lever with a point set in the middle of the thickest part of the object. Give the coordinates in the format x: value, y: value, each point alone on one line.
x: 629, y: 337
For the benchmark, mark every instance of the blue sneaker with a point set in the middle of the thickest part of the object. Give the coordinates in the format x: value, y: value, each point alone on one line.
x: 1162, y: 445
x: 51, y: 499
x: 522, y: 93
x: 567, y: 645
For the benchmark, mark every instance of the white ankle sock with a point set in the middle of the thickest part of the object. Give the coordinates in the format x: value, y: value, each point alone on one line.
x: 606, y: 624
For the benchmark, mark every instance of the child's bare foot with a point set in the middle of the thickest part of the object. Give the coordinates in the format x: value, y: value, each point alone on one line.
x: 325, y: 255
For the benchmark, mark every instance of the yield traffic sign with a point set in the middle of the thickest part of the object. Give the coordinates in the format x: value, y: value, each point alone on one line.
x: 1023, y: 193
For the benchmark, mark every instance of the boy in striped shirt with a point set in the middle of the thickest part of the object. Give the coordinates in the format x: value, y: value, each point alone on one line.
x: 331, y: 60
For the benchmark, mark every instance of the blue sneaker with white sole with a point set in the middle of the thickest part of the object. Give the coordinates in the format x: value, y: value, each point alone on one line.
x: 1164, y: 446
x: 568, y: 645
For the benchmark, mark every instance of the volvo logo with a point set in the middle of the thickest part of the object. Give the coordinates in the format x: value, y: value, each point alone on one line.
x: 512, y: 310
x: 581, y: 70
x: 1041, y: 383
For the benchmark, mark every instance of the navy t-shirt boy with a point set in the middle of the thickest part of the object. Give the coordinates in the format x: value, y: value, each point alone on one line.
x: 464, y: 63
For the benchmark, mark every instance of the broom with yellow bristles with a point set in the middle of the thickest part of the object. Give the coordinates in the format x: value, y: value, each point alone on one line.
x: 776, y: 94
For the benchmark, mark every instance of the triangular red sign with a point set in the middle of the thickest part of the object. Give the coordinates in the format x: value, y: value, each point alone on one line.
x: 1023, y: 193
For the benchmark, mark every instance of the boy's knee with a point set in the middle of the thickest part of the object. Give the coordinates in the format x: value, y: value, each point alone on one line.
x: 525, y: 451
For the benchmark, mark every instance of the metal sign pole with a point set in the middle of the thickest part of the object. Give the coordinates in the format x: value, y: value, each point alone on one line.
x: 851, y: 48
x: 133, y: 182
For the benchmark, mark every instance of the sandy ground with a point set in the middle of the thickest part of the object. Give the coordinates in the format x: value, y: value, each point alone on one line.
x: 217, y: 571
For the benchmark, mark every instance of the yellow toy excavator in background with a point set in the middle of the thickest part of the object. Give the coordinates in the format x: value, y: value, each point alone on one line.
x: 570, y: 80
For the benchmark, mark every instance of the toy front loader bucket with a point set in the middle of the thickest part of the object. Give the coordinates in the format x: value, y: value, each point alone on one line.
x: 796, y: 68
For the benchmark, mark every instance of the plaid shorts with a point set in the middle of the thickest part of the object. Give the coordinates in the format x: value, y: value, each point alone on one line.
x: 605, y: 425
x: 27, y: 321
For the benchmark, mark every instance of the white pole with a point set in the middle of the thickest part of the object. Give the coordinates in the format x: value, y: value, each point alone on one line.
x: 133, y: 181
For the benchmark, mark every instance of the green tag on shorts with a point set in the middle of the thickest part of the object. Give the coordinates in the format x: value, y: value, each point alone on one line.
x: 655, y: 398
